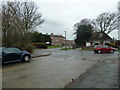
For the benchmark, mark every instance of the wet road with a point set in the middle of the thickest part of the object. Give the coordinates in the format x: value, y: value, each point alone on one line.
x: 105, y: 75
x: 53, y: 71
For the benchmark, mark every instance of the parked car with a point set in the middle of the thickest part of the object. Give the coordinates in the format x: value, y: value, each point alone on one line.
x: 103, y: 48
x: 13, y: 54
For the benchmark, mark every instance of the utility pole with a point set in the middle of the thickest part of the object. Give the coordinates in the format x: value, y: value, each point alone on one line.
x: 65, y: 35
x: 65, y: 39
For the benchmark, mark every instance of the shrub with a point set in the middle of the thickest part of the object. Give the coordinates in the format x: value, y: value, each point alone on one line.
x: 96, y: 44
x: 74, y: 46
x: 107, y: 44
x: 29, y: 47
x: 112, y: 44
x: 40, y: 45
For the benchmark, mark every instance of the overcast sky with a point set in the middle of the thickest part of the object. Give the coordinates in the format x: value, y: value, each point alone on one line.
x: 61, y: 15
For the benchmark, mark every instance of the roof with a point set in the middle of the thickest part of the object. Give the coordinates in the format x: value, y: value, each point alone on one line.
x: 100, y: 36
x: 57, y: 36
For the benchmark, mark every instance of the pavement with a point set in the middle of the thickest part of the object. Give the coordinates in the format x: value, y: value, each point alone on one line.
x: 54, y: 71
x: 39, y: 53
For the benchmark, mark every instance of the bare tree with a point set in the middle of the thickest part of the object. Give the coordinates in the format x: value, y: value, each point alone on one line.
x: 106, y: 22
x: 19, y: 19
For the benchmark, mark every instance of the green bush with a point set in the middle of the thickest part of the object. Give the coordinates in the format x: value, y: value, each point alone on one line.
x: 29, y: 47
x: 40, y: 45
x: 112, y: 44
x: 107, y: 44
x: 96, y: 43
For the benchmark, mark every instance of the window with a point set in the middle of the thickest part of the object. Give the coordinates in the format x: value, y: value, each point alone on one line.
x: 12, y: 50
x: 98, y: 46
x: 105, y: 46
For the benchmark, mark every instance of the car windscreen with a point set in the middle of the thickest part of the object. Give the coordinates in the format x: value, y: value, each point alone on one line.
x: 2, y: 49
x: 97, y: 46
x: 12, y: 50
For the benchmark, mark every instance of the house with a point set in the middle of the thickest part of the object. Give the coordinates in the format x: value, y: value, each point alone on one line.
x: 99, y: 38
x: 69, y: 42
x: 117, y: 42
x: 59, y: 40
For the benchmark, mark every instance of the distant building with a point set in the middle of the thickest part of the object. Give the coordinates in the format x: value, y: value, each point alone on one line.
x: 59, y: 40
x: 69, y: 42
x: 99, y: 38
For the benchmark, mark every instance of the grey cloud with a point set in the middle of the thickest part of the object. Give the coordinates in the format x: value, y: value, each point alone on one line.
x: 53, y: 22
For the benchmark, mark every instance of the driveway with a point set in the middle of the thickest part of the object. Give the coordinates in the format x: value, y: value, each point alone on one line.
x: 54, y: 71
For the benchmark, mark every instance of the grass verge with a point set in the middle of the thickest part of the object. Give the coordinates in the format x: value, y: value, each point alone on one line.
x: 54, y: 47
x: 117, y: 50
x: 86, y: 49
x: 66, y: 48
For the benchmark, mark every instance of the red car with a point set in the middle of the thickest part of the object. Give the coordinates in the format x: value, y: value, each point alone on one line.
x: 103, y: 48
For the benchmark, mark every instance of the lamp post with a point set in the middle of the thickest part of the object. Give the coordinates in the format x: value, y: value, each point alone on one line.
x: 65, y: 34
x: 65, y: 39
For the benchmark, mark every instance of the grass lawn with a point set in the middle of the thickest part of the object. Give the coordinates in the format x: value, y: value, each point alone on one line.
x: 87, y: 49
x: 66, y: 48
x: 117, y: 50
x: 54, y: 47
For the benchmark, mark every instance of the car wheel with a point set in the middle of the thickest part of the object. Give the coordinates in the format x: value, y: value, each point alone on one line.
x: 99, y: 51
x: 111, y: 51
x: 26, y: 58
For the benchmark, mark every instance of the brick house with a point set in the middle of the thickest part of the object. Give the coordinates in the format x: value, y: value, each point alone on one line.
x: 59, y: 40
x: 69, y: 42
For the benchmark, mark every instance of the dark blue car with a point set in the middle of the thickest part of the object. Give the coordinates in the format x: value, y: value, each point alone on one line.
x: 13, y: 54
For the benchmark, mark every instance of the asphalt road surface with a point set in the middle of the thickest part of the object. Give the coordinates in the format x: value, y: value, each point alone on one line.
x: 54, y: 71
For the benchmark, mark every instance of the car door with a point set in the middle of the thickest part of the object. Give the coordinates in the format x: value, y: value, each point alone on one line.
x: 106, y: 49
x: 12, y: 54
x: 17, y: 53
x: 103, y: 48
